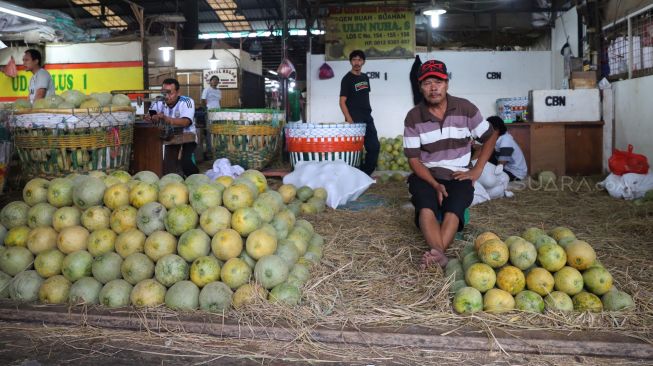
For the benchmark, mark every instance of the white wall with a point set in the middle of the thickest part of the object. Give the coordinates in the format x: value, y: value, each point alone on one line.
x: 633, y: 111
x: 565, y: 30
x: 391, y: 99
x: 199, y: 60
x: 64, y: 53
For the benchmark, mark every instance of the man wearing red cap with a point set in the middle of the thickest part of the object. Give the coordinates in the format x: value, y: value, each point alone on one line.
x: 437, y: 136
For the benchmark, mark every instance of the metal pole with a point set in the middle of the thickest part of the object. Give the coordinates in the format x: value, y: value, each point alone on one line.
x: 630, y: 49
x: 284, y: 46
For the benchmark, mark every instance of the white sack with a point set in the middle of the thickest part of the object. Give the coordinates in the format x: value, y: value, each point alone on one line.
x: 342, y: 182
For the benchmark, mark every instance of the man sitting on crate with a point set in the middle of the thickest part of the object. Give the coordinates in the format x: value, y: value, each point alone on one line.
x: 437, y: 136
x: 177, y: 110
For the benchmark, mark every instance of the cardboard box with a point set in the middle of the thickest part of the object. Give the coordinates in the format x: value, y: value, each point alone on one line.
x: 567, y: 105
x: 583, y: 80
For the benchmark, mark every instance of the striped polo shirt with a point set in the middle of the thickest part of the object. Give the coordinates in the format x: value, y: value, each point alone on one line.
x: 444, y: 146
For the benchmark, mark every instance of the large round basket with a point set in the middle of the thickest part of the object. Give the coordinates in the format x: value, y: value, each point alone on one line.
x: 329, y: 141
x: 56, y: 142
x: 250, y: 138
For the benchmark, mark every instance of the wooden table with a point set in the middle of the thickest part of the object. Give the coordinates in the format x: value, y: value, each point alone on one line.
x: 566, y: 148
x: 154, y: 154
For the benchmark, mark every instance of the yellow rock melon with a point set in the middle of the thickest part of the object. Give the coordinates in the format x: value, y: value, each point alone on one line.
x: 235, y: 273
x: 116, y: 196
x: 248, y: 294
x: 522, y: 254
x: 580, y: 255
x: 173, y: 194
x: 561, y: 232
x: 245, y: 220
x: 551, y: 257
x: 585, y: 301
x: 483, y: 237
x: 540, y: 280
x: 568, y: 280
x: 494, y: 253
x: 498, y: 301
x: 467, y: 300
x: 205, y: 270
x: 597, y: 280
x: 237, y: 196
x: 288, y: 192
x: 511, y: 279
x: 227, y: 244
x: 480, y: 276
x: 260, y: 243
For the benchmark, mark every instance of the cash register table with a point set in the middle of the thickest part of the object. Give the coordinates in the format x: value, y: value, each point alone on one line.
x: 566, y: 148
x: 154, y: 154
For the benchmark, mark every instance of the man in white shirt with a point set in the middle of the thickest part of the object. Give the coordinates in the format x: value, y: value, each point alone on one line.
x: 177, y: 110
x: 41, y: 84
x: 211, y: 96
x: 507, y: 151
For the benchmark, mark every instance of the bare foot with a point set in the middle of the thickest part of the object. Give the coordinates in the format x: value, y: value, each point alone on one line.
x: 434, y: 256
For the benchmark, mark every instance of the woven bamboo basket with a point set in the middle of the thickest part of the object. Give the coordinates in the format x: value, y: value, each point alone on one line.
x: 56, y: 142
x: 250, y: 138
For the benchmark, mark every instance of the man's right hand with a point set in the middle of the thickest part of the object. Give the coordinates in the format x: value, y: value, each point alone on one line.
x: 441, y: 191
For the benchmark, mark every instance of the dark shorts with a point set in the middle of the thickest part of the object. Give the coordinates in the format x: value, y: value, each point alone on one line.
x: 460, y: 196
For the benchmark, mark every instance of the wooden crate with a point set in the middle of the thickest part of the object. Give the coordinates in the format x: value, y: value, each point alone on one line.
x: 569, y: 148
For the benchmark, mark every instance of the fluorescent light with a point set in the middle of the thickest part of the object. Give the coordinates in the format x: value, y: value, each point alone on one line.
x: 21, y: 12
x: 272, y: 72
x: 165, y: 52
x: 434, y: 13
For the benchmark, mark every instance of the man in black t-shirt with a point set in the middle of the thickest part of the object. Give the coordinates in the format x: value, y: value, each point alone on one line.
x: 355, y: 105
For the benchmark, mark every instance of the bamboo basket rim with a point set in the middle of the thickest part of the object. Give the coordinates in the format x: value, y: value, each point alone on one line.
x: 69, y: 111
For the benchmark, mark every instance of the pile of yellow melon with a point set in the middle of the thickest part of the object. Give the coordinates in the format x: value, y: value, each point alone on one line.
x: 533, y: 273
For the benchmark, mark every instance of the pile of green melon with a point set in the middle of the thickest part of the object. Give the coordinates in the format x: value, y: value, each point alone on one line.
x: 117, y: 240
x: 532, y: 273
x: 391, y: 155
x: 75, y: 99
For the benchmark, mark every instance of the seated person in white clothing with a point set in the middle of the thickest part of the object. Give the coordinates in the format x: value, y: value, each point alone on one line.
x: 507, y: 152
x: 177, y: 110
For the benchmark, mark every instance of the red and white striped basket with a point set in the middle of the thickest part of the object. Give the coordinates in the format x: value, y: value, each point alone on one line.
x: 327, y: 141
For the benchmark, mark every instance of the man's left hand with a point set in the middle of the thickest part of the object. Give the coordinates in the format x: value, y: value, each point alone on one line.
x: 472, y: 174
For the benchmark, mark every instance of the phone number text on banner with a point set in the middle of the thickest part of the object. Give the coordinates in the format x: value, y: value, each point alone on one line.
x: 381, y: 32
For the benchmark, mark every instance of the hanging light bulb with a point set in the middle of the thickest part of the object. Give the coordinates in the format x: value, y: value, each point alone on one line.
x: 434, y: 13
x: 166, y: 48
x: 213, y: 61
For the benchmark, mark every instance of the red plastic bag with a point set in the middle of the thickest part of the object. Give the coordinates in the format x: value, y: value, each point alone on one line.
x: 622, y: 162
x: 10, y: 68
x: 286, y: 68
x: 326, y: 72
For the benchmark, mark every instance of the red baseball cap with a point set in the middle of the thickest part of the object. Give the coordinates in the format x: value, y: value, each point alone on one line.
x: 433, y: 68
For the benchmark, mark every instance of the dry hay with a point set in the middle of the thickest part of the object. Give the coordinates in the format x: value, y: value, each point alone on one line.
x: 369, y: 277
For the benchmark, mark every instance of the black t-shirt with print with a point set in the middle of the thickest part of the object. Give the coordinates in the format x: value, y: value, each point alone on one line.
x: 357, y: 90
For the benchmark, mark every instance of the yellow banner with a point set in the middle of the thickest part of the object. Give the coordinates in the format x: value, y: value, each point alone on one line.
x: 87, y: 78
x: 381, y: 32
